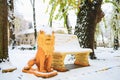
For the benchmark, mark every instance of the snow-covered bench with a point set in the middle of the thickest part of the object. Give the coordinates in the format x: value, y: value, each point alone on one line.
x: 68, y: 44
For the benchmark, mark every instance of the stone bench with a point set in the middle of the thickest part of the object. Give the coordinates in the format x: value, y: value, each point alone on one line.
x: 68, y: 44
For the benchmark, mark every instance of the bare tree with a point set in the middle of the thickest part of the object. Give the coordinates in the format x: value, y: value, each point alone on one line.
x: 34, y: 18
x: 89, y: 15
x: 3, y: 31
x: 11, y: 23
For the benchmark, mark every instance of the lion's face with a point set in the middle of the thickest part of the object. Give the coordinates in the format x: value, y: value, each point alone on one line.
x: 48, y: 39
x: 46, y: 42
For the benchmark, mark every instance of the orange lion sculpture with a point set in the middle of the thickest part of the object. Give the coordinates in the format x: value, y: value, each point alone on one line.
x: 43, y: 58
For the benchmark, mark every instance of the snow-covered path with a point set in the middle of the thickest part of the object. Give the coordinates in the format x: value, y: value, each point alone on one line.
x: 106, y: 67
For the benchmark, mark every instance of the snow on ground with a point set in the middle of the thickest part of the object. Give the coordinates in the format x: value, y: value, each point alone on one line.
x: 106, y: 67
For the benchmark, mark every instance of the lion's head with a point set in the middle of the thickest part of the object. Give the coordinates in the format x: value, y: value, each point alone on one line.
x: 46, y: 42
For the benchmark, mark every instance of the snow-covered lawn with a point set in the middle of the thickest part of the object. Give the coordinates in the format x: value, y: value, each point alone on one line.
x: 106, y: 67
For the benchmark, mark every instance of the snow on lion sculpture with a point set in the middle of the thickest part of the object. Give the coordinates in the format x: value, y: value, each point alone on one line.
x: 43, y: 58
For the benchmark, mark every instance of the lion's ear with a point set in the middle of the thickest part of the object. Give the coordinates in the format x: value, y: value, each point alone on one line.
x: 41, y: 32
x: 53, y: 32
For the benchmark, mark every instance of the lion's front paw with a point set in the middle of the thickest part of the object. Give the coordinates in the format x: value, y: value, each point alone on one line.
x: 49, y: 69
x: 26, y: 68
x: 44, y: 71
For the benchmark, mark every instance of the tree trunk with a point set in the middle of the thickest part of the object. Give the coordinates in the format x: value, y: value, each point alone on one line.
x: 69, y: 28
x: 103, y: 39
x: 34, y: 20
x: 116, y: 29
x: 89, y: 15
x: 3, y: 31
x: 11, y: 23
x: 66, y: 23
